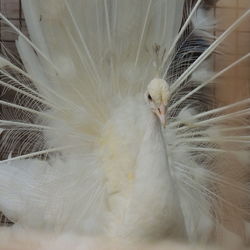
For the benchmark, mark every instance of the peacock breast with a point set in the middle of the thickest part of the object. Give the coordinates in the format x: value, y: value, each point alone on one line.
x: 119, y: 146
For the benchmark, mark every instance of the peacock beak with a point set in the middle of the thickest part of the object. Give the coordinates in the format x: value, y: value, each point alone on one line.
x: 161, y: 113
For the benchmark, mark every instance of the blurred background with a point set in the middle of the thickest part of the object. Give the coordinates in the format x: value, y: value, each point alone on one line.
x: 236, y: 83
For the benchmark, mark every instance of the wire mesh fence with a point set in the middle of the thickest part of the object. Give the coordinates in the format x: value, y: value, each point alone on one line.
x: 12, y: 9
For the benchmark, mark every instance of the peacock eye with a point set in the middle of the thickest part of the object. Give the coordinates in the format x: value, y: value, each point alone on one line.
x: 149, y: 97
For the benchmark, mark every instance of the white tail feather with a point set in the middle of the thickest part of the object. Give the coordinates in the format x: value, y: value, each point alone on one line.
x: 105, y: 166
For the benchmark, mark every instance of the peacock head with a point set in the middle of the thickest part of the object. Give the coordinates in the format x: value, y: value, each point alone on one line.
x: 157, y: 96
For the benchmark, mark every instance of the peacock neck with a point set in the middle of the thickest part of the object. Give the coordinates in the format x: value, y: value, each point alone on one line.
x: 153, y: 126
x: 152, y: 156
x: 153, y: 210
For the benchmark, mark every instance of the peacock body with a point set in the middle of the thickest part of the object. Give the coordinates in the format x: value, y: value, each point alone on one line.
x: 103, y: 137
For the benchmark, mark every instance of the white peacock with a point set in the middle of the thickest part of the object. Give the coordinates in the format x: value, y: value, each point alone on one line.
x: 107, y: 140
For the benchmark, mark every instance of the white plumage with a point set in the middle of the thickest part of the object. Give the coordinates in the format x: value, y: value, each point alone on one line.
x: 94, y: 115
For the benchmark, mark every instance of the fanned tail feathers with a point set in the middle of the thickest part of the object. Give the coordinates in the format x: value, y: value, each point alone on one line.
x: 87, y: 64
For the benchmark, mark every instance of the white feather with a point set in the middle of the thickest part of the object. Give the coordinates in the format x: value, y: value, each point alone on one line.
x: 107, y: 167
